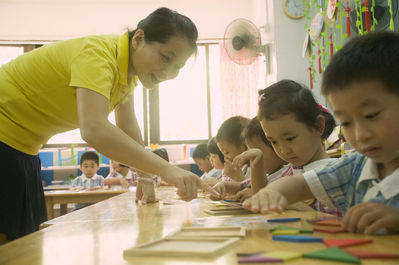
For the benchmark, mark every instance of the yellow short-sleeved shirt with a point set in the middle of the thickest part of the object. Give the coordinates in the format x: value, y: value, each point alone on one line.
x: 38, y: 89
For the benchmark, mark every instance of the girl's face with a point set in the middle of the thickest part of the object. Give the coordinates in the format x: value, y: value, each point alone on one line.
x: 204, y: 164
x: 216, y: 162
x: 271, y: 161
x: 294, y: 141
x: 154, y: 62
x: 229, y: 150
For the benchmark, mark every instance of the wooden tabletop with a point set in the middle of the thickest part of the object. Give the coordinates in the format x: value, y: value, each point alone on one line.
x: 99, y: 234
x: 63, y: 197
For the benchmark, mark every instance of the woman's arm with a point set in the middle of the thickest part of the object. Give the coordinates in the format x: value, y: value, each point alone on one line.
x: 126, y: 120
x: 113, y: 142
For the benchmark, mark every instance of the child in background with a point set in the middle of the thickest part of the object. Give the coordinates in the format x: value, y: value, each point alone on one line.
x: 89, y: 165
x: 121, y: 175
x: 217, y: 159
x: 231, y: 143
x: 202, y: 159
x: 296, y: 126
x: 272, y: 165
x: 361, y: 83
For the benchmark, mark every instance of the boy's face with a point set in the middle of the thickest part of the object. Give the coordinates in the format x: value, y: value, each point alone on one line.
x: 89, y: 168
x: 230, y: 151
x: 203, y: 163
x: 216, y: 162
x: 369, y: 117
x: 271, y: 161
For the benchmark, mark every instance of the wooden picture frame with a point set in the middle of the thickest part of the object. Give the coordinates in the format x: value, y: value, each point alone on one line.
x: 223, y: 231
x: 183, y: 246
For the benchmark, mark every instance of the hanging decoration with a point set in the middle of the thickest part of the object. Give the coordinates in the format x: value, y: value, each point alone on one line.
x: 367, y: 15
x: 348, y: 20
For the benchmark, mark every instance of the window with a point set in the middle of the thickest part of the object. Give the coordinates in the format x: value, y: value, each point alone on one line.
x: 7, y: 53
x: 183, y: 103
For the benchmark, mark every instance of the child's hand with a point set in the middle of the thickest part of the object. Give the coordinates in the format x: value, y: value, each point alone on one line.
x: 266, y: 201
x: 220, y: 188
x: 210, y: 181
x: 370, y: 217
x: 78, y: 188
x: 96, y: 188
x: 253, y: 155
x: 230, y: 171
x: 243, y: 195
x: 225, y: 187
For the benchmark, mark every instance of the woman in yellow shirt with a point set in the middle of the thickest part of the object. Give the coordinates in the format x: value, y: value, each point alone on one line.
x: 76, y: 84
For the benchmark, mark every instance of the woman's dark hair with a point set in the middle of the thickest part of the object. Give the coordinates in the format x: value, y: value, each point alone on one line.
x: 286, y: 97
x: 214, y: 149
x: 200, y: 151
x: 90, y: 155
x: 370, y: 57
x: 255, y: 129
x: 231, y: 130
x: 164, y: 23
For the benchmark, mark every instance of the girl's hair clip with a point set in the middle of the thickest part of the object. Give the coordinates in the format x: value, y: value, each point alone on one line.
x: 261, y: 97
x: 322, y: 108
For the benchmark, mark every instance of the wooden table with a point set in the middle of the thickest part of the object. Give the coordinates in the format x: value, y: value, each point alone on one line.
x: 64, y: 197
x: 99, y: 234
x: 57, y: 187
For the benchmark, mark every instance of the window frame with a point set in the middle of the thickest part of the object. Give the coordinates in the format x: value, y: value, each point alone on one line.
x: 153, y: 114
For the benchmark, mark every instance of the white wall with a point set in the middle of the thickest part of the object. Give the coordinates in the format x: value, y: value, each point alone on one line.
x: 289, y: 36
x: 61, y: 19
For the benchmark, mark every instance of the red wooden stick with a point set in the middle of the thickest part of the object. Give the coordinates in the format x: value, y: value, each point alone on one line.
x: 311, y: 79
x: 348, y: 21
x: 367, y: 15
x: 318, y: 53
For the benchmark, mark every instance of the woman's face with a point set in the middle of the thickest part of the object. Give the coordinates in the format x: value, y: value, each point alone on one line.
x: 154, y: 62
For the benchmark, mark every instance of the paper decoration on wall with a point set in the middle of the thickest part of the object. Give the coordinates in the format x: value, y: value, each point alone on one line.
x: 331, y: 6
x: 316, y: 26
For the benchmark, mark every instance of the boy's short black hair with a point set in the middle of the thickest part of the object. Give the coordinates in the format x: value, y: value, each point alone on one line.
x: 162, y: 152
x: 214, y: 149
x: 374, y: 56
x: 254, y: 128
x: 200, y: 151
x: 231, y: 130
x: 90, y: 155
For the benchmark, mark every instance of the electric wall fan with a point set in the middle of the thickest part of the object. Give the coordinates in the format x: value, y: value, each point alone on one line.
x: 242, y: 41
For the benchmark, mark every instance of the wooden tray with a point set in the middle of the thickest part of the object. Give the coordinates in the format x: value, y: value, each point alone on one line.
x: 227, y: 211
x: 183, y: 246
x: 223, y: 231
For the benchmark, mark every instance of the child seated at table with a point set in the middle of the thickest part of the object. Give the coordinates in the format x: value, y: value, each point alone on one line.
x: 201, y: 157
x: 260, y: 149
x: 231, y: 143
x: 361, y: 84
x: 89, y: 165
x: 121, y: 175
